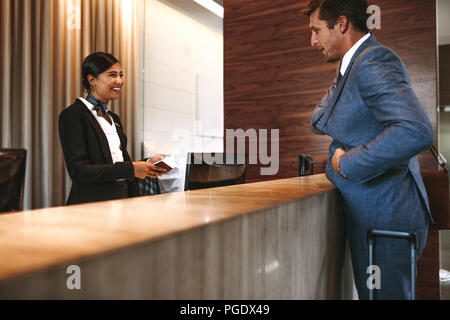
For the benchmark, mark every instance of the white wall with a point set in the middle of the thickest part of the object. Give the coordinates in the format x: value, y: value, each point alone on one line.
x: 177, y: 50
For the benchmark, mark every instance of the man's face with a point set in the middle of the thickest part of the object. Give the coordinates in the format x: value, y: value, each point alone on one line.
x: 324, y: 39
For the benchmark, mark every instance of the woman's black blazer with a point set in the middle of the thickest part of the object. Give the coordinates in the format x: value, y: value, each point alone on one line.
x: 88, y: 157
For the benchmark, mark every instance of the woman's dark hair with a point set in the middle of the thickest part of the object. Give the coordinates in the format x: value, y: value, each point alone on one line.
x: 331, y: 10
x: 94, y: 64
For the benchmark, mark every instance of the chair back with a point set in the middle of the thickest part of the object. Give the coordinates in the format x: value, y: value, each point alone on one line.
x: 208, y: 170
x: 12, y: 179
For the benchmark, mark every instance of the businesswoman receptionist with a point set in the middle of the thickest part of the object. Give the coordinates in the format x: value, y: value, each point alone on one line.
x: 94, y: 142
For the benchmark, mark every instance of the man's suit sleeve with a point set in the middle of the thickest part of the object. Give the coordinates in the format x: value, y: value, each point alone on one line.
x: 73, y: 139
x: 320, y: 109
x: 385, y: 88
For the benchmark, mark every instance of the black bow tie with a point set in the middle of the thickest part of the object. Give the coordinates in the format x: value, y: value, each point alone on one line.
x: 103, y: 106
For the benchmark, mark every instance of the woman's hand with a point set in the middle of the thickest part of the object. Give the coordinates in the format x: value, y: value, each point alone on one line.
x: 155, y: 158
x: 144, y: 169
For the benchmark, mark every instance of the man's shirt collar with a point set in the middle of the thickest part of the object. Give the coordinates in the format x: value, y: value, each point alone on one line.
x: 349, y: 55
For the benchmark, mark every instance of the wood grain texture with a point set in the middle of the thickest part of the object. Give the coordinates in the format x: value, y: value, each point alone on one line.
x: 444, y: 75
x: 273, y: 78
x: 427, y: 287
x: 294, y: 250
x: 36, y: 240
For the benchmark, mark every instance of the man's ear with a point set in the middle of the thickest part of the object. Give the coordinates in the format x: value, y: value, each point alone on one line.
x: 342, y: 24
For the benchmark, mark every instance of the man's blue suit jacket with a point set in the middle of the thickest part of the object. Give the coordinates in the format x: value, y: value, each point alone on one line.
x: 374, y: 114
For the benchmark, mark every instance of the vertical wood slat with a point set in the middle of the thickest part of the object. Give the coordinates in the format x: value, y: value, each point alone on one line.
x: 444, y: 74
x: 427, y: 284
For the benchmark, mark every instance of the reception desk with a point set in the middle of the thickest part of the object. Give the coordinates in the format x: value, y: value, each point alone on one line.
x: 281, y: 239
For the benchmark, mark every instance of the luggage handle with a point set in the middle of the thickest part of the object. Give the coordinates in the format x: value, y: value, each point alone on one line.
x: 410, y: 236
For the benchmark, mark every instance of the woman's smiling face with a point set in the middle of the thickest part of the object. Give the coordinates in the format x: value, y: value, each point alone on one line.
x: 108, y: 84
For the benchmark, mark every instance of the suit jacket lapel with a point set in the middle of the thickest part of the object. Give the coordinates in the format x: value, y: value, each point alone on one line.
x: 104, y: 145
x: 369, y: 42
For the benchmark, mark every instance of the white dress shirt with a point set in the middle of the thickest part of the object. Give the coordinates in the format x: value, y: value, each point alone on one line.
x: 110, y: 132
x: 349, y: 55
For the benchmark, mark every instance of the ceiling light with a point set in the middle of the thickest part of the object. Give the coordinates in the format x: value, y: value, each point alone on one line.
x: 211, y: 6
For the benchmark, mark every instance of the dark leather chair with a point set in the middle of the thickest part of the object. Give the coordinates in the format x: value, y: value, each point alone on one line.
x: 202, y: 172
x: 12, y: 179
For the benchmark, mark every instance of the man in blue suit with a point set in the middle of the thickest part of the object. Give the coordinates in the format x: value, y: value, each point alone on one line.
x: 378, y: 127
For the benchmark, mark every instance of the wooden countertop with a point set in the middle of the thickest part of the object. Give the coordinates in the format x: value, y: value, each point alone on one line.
x: 37, y: 239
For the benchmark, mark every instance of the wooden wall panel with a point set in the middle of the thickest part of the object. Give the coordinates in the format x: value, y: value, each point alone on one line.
x: 444, y: 74
x: 427, y: 286
x: 273, y: 78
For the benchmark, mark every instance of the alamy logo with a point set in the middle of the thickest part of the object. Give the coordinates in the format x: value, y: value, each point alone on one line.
x: 259, y: 143
x: 374, y: 21
x: 374, y: 280
x: 74, y: 280
x: 73, y: 21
